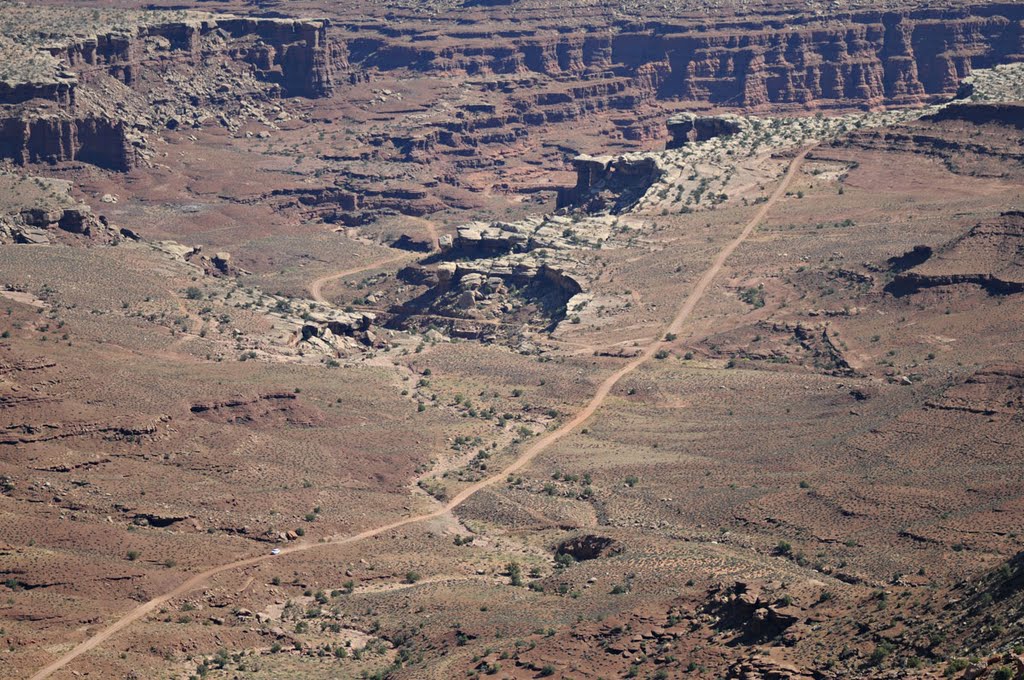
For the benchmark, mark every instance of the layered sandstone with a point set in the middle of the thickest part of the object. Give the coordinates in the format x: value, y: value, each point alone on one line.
x: 686, y: 128
x: 44, y: 119
x: 610, y: 183
x: 54, y: 137
x: 293, y: 54
x: 864, y: 57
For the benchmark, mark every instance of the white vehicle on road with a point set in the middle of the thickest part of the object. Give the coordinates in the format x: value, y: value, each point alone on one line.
x: 275, y: 551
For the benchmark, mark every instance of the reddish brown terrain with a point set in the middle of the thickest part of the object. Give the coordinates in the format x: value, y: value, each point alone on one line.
x: 466, y: 338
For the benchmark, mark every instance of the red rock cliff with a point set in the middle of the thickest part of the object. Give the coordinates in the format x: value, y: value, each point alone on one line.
x: 42, y: 121
x: 865, y: 58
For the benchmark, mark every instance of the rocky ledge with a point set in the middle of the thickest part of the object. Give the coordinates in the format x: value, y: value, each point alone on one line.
x: 985, y: 256
x: 687, y: 128
x: 54, y: 106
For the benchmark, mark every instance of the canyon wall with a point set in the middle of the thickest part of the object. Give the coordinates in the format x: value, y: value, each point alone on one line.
x: 547, y: 75
x: 294, y: 54
x: 42, y: 121
x: 53, y: 138
x: 866, y: 58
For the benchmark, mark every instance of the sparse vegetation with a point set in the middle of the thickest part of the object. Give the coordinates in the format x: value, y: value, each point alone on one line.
x: 154, y: 396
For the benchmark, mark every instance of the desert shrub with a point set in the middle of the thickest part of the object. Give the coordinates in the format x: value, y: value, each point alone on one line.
x: 515, y: 573
x: 753, y: 296
x: 881, y: 651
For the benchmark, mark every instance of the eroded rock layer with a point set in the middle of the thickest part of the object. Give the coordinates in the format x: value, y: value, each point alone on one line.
x: 865, y: 57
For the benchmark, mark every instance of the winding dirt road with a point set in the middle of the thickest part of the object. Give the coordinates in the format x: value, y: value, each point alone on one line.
x: 539, y: 446
x: 316, y: 287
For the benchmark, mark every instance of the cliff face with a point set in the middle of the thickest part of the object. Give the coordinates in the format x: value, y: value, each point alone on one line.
x: 54, y: 138
x: 43, y: 122
x: 1008, y: 114
x: 541, y: 76
x: 865, y: 58
x: 686, y: 128
x: 605, y: 183
x: 294, y: 54
x: 61, y: 93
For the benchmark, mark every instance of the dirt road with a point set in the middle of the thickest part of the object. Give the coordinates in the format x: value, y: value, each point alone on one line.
x: 316, y: 287
x: 538, y: 447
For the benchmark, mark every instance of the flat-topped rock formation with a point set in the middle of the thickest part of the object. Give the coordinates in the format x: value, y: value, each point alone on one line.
x: 686, y: 128
x: 610, y: 182
x: 989, y: 255
x: 558, y: 232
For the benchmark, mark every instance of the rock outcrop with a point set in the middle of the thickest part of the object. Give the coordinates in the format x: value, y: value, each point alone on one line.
x: 764, y: 667
x: 44, y: 210
x: 558, y: 232
x: 55, y: 137
x: 324, y: 331
x: 265, y: 409
x: 747, y: 609
x: 988, y: 255
x: 1010, y: 114
x: 610, y: 183
x: 589, y: 547
x: 996, y: 391
x: 42, y: 114
x: 484, y: 297
x: 356, y: 200
x: 687, y: 128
